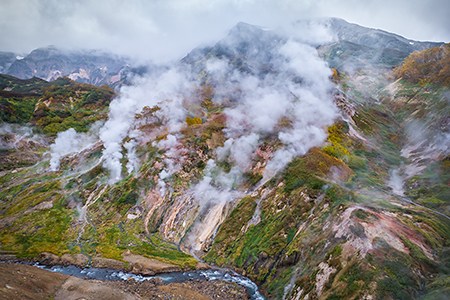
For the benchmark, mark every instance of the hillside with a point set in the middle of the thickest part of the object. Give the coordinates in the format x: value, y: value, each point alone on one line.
x: 250, y: 154
x: 33, y: 111
x: 428, y: 66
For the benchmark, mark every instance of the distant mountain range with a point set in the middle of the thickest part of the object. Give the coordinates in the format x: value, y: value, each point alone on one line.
x: 353, y: 45
x: 50, y: 63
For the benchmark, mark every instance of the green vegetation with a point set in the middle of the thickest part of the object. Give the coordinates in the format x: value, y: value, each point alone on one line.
x: 53, y: 106
x: 17, y: 109
x: 39, y: 231
x: 430, y: 187
x: 268, y: 250
x: 66, y: 104
x: 338, y: 141
x: 311, y: 170
x: 295, y: 228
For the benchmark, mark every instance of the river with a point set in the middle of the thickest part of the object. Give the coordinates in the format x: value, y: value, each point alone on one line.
x: 206, y: 275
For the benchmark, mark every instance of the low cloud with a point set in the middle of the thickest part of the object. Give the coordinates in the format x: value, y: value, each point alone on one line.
x: 167, y: 30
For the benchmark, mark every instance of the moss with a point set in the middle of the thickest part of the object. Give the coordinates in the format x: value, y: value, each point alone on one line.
x: 159, y: 249
x: 125, y: 193
x: 252, y: 178
x: 310, y: 169
x: 114, y: 240
x: 229, y: 230
x: 430, y: 187
x: 279, y: 279
x: 27, y: 197
x: 415, y: 251
x: 268, y: 250
x: 356, y: 278
x: 336, y: 251
x: 337, y: 195
x: 42, y: 231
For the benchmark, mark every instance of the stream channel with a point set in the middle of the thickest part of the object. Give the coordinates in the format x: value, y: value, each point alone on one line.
x: 205, y: 275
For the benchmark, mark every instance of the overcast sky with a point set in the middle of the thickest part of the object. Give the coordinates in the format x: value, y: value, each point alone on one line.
x: 168, y: 29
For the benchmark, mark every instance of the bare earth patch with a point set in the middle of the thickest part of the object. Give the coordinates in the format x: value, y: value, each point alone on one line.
x: 19, y: 281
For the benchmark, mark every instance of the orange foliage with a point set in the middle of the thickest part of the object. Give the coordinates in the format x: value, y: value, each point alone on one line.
x: 427, y: 66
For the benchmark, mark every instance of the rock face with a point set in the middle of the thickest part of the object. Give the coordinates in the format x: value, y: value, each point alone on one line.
x: 357, y: 208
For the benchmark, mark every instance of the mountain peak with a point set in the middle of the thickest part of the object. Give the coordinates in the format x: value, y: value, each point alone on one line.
x: 245, y: 30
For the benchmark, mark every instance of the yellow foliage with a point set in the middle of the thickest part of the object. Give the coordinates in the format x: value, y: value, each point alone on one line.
x: 337, y: 141
x: 193, y: 121
x: 335, y: 74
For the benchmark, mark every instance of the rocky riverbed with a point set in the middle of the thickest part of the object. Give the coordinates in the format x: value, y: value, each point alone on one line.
x: 19, y: 281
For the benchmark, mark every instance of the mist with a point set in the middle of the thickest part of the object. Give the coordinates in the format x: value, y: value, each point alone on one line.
x: 72, y: 142
x: 167, y: 89
x: 291, y: 102
x: 167, y: 30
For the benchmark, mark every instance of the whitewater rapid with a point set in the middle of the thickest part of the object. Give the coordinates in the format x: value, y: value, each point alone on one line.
x: 117, y: 275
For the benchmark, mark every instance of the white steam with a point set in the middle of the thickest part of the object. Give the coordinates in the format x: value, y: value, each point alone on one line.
x: 13, y: 136
x: 172, y: 160
x: 69, y: 142
x: 396, y: 182
x: 296, y: 90
x: 167, y: 90
x: 270, y: 87
x: 130, y: 147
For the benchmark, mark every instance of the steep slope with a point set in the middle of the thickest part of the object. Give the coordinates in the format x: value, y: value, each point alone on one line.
x: 356, y: 46
x: 314, y: 234
x: 52, y: 106
x: 253, y: 155
x: 33, y: 111
x: 429, y: 66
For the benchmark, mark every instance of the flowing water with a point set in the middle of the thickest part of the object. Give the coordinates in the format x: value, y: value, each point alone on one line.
x: 205, y: 275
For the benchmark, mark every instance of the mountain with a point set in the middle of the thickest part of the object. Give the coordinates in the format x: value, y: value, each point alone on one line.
x: 375, y: 38
x: 250, y: 155
x: 247, y: 47
x: 50, y: 63
x: 351, y: 45
x: 356, y: 45
x: 6, y: 59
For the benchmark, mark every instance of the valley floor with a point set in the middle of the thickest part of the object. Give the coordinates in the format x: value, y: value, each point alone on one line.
x: 20, y: 281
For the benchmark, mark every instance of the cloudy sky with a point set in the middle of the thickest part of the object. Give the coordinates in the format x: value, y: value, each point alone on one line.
x: 168, y: 29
